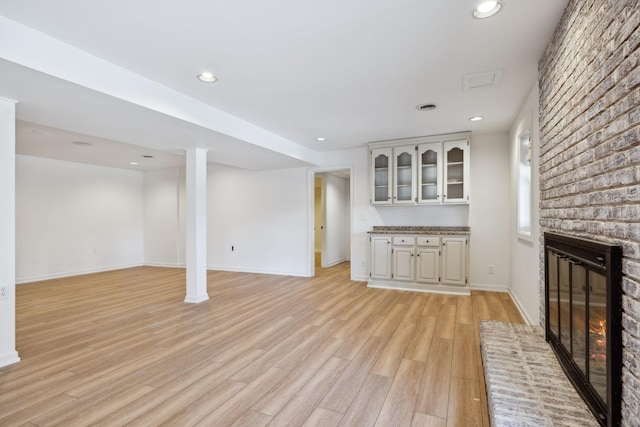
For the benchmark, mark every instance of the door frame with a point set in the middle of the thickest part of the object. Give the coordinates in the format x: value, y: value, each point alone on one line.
x: 311, y: 174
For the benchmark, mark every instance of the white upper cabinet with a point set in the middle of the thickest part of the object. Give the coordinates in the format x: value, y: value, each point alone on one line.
x: 430, y: 173
x: 419, y: 171
x: 456, y: 171
x: 381, y: 176
x: 404, y: 176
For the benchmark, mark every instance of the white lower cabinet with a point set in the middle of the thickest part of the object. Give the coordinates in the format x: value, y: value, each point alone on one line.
x: 421, y: 263
x: 428, y: 260
x: 454, y: 260
x: 402, y: 257
x: 380, y: 257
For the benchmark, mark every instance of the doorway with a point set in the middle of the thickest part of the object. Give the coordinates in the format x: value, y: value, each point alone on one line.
x: 331, y: 218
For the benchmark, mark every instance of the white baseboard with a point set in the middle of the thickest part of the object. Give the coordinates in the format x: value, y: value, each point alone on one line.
x: 9, y: 358
x: 359, y: 278
x: 257, y: 271
x: 518, y: 305
x: 419, y: 287
x: 38, y: 278
x: 196, y: 299
x: 165, y: 264
x: 489, y: 287
x: 336, y: 262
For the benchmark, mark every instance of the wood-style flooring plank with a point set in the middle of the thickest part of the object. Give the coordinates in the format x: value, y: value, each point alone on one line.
x: 425, y: 420
x: 399, y: 406
x: 464, y: 407
x: 323, y: 418
x: 368, y: 402
x: 302, y: 405
x: 433, y: 398
x: 341, y: 395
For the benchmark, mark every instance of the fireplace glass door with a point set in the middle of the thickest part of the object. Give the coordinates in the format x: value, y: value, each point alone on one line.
x: 582, y: 295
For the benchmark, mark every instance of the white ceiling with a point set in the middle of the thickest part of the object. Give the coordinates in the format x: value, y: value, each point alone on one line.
x: 289, y: 71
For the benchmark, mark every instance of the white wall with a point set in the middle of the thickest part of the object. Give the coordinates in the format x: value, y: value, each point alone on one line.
x: 262, y: 214
x: 162, y: 193
x: 8, y: 354
x: 73, y: 218
x: 524, y: 261
x: 489, y: 212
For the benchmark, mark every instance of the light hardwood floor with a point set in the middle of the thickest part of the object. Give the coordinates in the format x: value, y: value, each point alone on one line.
x: 121, y: 348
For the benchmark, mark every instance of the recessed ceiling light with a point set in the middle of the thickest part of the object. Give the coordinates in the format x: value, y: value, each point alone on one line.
x: 207, y: 77
x: 426, y: 107
x: 134, y: 163
x: 487, y: 9
x: 476, y: 118
x: 321, y: 138
x: 82, y: 143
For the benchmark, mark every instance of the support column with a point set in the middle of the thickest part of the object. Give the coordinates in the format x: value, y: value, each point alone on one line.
x: 8, y: 353
x: 196, y: 223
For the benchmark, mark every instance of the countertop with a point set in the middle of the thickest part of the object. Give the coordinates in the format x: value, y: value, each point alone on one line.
x: 380, y: 229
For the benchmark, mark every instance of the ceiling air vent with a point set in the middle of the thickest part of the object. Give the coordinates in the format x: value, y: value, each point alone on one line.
x: 481, y: 80
x: 426, y: 107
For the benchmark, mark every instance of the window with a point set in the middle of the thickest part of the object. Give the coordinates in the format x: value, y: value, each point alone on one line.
x: 524, y: 184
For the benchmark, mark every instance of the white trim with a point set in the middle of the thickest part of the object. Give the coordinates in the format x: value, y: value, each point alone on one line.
x: 9, y: 358
x: 417, y: 287
x: 333, y: 263
x: 60, y: 275
x: 311, y: 173
x: 360, y: 278
x: 257, y: 271
x: 518, y: 305
x: 489, y: 287
x: 196, y: 299
x: 165, y: 264
x: 525, y: 133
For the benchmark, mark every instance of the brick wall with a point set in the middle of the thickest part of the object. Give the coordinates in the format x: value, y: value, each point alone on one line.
x: 590, y: 154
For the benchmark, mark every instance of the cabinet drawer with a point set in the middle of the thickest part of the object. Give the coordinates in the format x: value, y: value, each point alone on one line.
x: 404, y: 240
x: 428, y: 241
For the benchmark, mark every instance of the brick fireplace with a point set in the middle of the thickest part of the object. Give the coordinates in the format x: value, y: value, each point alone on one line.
x: 589, y: 82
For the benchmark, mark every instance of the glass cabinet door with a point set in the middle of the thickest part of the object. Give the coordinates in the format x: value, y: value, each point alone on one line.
x: 430, y: 173
x: 404, y: 161
x: 381, y: 176
x: 456, y: 171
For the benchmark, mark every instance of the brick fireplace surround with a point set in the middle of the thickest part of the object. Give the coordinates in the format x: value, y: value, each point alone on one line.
x: 590, y: 152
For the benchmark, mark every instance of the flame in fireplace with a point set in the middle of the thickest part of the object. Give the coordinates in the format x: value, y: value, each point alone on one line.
x: 598, y: 334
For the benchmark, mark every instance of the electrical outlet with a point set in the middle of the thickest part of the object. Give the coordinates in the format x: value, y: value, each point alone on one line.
x: 491, y: 269
x: 4, y: 292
